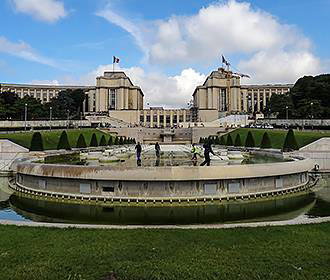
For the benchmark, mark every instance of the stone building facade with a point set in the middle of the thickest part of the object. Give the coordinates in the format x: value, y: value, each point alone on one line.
x: 115, y: 96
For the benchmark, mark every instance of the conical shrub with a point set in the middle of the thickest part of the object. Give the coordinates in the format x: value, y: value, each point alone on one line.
x: 238, y: 142
x: 110, y: 141
x: 103, y: 142
x: 121, y: 140
x: 36, y: 142
x: 229, y: 140
x: 81, y: 142
x: 290, y: 142
x: 116, y: 141
x: 63, y: 143
x: 222, y: 140
x: 94, y: 142
x: 265, y: 142
x: 249, y: 142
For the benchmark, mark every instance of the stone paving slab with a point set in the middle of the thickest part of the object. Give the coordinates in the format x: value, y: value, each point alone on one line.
x: 296, y: 221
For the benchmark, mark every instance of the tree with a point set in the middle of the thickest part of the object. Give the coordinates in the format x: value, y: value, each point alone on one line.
x: 310, y: 97
x: 238, y: 142
x: 229, y: 140
x: 103, y: 142
x: 110, y: 142
x: 63, y: 143
x: 278, y: 104
x: 249, y: 142
x: 290, y: 142
x: 36, y: 142
x: 81, y: 143
x: 265, y: 142
x: 94, y: 142
x: 68, y: 102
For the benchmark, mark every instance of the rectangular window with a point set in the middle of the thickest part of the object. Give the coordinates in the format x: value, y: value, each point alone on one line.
x: 112, y: 99
x: 85, y: 188
x: 223, y: 100
x: 210, y: 189
x: 234, y: 187
x: 279, y: 182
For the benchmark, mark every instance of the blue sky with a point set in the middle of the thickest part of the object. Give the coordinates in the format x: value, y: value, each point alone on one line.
x: 166, y: 47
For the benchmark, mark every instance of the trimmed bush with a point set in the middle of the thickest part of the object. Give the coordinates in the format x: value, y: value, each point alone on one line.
x: 265, y: 142
x: 290, y: 142
x: 81, y: 143
x: 103, y: 142
x: 94, y: 142
x: 238, y: 141
x: 63, y: 143
x: 110, y: 142
x: 222, y: 140
x: 217, y: 141
x: 36, y: 142
x: 116, y: 140
x: 121, y: 140
x: 229, y: 140
x: 249, y: 142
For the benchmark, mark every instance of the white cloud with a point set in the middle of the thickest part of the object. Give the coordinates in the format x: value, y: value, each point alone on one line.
x: 275, y: 52
x: 23, y: 50
x: 284, y: 67
x: 44, y: 10
x: 159, y: 89
x: 45, y: 82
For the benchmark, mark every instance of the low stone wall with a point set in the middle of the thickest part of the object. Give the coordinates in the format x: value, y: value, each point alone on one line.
x: 319, y: 151
x: 163, y: 183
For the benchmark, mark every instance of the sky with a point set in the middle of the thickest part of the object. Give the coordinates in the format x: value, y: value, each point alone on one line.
x: 166, y: 47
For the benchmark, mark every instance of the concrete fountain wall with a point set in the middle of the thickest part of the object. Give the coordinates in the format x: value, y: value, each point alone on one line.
x: 162, y: 184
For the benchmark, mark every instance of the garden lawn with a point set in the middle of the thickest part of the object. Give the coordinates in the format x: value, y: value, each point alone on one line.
x: 51, y: 138
x: 277, y: 137
x: 289, y: 252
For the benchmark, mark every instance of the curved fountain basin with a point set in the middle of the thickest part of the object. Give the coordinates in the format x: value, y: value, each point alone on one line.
x: 162, y: 184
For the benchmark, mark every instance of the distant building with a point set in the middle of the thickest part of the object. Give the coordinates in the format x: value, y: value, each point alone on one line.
x: 117, y: 97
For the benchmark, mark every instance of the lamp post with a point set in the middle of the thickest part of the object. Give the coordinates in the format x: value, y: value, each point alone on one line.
x: 50, y: 118
x: 67, y: 112
x: 312, y: 110
x: 312, y: 114
x: 287, y: 112
x: 25, y: 116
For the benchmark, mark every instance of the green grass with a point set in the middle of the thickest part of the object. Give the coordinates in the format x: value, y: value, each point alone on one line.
x: 51, y: 138
x: 277, y: 137
x: 290, y: 252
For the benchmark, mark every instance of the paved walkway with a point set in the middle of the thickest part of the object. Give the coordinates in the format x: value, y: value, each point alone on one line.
x: 297, y: 221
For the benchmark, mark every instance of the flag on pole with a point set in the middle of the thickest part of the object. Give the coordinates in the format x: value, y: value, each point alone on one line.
x: 116, y: 59
x: 224, y: 61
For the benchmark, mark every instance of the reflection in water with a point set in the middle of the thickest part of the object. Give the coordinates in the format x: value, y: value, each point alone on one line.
x: 46, y: 211
x: 13, y: 207
x: 322, y: 196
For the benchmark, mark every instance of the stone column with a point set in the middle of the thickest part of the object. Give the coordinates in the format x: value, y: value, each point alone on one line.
x: 258, y: 101
x: 184, y: 116
x: 144, y: 118
x: 151, y: 118
x: 252, y: 101
x: 264, y: 103
x: 171, y: 118
x: 164, y: 120
x: 178, y: 117
x: 158, y: 118
x: 126, y: 98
